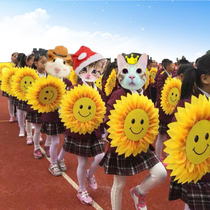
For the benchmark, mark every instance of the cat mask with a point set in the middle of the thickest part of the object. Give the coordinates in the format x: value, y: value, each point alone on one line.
x: 93, y: 71
x: 88, y: 65
x: 132, y: 76
x: 58, y: 62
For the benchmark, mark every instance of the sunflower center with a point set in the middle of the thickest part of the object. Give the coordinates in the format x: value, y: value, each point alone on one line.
x: 173, y: 96
x: 84, y: 109
x: 198, y: 142
x: 26, y: 82
x: 48, y: 95
x: 136, y: 124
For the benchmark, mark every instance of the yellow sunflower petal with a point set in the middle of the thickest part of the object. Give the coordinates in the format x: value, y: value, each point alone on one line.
x: 45, y: 94
x: 188, y: 148
x: 7, y: 80
x: 82, y: 109
x: 22, y: 80
x: 170, y: 95
x: 133, y: 126
x: 111, y: 82
x: 3, y: 66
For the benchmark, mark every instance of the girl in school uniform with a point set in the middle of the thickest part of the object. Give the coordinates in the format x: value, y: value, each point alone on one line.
x: 35, y: 117
x: 89, y: 66
x: 132, y: 79
x: 196, y: 81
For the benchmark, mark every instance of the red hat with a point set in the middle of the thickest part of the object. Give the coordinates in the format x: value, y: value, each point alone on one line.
x: 83, y: 57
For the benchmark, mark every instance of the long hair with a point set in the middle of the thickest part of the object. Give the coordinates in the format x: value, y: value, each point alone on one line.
x: 192, y: 77
x: 109, y: 68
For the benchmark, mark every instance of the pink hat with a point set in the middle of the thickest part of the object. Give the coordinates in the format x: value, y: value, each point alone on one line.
x: 84, y: 57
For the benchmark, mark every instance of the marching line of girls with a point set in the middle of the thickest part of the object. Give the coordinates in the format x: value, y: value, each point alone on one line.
x: 196, y: 196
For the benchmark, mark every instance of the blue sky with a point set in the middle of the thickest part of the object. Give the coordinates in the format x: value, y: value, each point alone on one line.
x: 162, y: 29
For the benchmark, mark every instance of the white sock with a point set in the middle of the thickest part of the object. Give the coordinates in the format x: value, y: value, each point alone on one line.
x: 36, y: 137
x: 157, y: 175
x: 28, y: 129
x: 116, y: 191
x: 159, y: 144
x: 47, y: 141
x: 95, y: 164
x: 81, y: 171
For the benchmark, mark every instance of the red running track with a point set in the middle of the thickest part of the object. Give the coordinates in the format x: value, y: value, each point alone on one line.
x: 26, y: 183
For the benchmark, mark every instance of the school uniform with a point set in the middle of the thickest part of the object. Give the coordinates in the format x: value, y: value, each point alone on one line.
x: 104, y: 81
x: 33, y: 116
x: 163, y: 118
x: 5, y: 94
x: 51, y: 123
x: 197, y: 196
x: 86, y: 145
x: 118, y: 164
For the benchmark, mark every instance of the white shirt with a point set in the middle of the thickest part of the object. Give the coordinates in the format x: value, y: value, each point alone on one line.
x: 205, y: 93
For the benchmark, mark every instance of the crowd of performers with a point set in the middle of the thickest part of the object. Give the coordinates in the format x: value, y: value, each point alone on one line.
x: 131, y: 104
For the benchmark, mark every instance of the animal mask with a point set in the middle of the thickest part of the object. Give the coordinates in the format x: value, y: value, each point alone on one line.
x: 58, y: 62
x: 93, y: 71
x: 132, y: 76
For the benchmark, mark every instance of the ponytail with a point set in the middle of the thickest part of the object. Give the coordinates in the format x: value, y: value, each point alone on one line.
x: 188, y: 83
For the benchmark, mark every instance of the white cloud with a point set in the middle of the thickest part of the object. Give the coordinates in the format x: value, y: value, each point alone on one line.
x: 24, y: 32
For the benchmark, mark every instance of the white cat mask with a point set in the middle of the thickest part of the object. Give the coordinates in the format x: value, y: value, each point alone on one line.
x: 132, y: 76
x: 58, y: 62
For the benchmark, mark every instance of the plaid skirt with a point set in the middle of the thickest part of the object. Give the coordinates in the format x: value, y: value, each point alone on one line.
x: 197, y: 196
x: 52, y: 128
x: 34, y: 117
x: 119, y: 165
x: 163, y: 127
x: 14, y: 101
x: 84, y: 147
x: 5, y: 94
x: 22, y: 105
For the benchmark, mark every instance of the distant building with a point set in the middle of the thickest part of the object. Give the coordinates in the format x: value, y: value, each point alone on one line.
x: 40, y: 51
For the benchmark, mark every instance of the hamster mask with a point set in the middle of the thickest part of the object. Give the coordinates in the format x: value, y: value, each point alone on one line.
x: 58, y: 62
x: 93, y: 71
x: 132, y: 76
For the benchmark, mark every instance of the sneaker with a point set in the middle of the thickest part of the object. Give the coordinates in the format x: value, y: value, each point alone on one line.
x: 38, y: 154
x: 11, y: 120
x: 55, y: 170
x: 139, y: 200
x: 21, y: 134
x: 47, y: 151
x: 62, y: 165
x: 92, y: 184
x: 29, y: 140
x: 164, y: 164
x: 85, y: 198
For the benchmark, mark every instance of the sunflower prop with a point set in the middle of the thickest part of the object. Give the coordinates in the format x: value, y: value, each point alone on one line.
x: 133, y: 124
x: 98, y: 82
x: 22, y: 80
x: 73, y: 77
x: 170, y: 95
x: 111, y: 82
x: 82, y: 110
x: 153, y: 72
x: 147, y: 82
x: 45, y: 94
x: 189, y: 143
x: 4, y: 66
x: 7, y: 80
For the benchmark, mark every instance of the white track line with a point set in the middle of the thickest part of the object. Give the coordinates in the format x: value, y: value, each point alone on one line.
x: 73, y: 184
x: 4, y: 121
